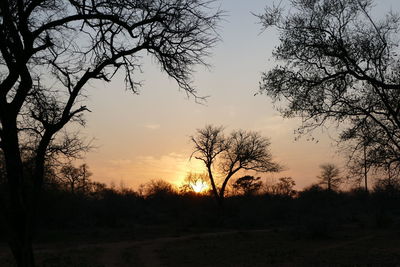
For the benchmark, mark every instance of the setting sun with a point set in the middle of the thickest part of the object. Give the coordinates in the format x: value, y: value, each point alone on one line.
x: 199, y: 186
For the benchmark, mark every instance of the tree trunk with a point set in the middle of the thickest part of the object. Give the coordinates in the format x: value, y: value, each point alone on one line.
x: 222, y: 195
x: 19, y: 218
x: 223, y: 187
x: 213, y: 186
x: 18, y: 199
x: 20, y: 240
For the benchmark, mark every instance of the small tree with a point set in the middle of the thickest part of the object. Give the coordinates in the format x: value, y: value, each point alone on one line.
x: 330, y: 176
x: 247, y: 185
x: 241, y: 150
x: 75, y: 178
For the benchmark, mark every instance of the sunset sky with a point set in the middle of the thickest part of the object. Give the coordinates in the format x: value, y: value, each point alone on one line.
x: 146, y: 136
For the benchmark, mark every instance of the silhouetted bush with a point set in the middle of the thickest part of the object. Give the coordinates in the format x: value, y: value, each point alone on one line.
x: 158, y: 189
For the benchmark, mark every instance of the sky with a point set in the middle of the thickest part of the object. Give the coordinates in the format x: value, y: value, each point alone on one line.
x: 147, y: 136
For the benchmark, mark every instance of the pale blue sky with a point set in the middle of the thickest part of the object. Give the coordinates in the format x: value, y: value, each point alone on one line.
x: 146, y: 136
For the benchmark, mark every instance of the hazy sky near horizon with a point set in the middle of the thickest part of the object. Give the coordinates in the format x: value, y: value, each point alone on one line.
x: 146, y: 136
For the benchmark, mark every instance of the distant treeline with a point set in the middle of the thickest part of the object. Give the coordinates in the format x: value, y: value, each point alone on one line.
x: 314, y: 211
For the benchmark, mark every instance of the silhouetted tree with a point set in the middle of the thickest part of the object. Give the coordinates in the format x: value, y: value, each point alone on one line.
x: 241, y: 150
x: 330, y: 176
x: 247, y: 185
x: 338, y: 64
x: 50, y: 50
x: 75, y: 178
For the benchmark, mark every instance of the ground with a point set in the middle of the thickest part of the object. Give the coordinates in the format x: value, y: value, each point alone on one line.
x: 265, y: 247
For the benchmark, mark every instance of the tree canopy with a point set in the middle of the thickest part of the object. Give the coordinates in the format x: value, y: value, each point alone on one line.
x: 337, y: 63
x: 330, y: 176
x: 241, y: 150
x: 51, y: 49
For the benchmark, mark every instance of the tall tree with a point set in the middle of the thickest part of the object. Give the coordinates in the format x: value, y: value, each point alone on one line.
x: 51, y: 49
x: 241, y: 150
x: 330, y: 176
x: 339, y: 64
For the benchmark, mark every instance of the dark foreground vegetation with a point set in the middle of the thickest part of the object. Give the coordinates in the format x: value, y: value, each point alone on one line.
x: 292, y: 227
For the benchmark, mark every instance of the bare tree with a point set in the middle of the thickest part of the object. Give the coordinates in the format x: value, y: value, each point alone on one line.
x: 337, y: 64
x: 75, y: 178
x: 51, y: 49
x: 241, y: 150
x: 330, y: 176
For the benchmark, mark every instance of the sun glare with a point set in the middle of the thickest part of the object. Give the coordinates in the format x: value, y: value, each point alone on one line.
x: 199, y: 186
